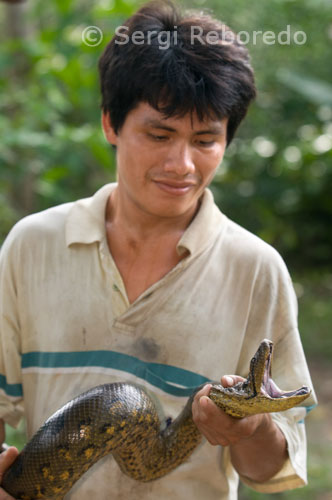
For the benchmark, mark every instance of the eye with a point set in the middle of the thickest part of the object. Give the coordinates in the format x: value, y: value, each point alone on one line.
x: 158, y: 138
x: 206, y: 143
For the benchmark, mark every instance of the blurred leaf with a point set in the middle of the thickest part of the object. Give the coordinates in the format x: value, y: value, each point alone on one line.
x: 316, y: 91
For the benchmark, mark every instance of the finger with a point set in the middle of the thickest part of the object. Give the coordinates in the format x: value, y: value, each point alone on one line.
x: 230, y: 380
x: 5, y: 496
x: 210, y: 421
x: 6, y: 460
x: 195, y: 406
x: 197, y: 410
x: 205, y: 391
x: 200, y: 415
x: 205, y: 413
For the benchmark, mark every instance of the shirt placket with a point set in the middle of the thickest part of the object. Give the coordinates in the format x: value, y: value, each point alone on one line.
x: 120, y: 302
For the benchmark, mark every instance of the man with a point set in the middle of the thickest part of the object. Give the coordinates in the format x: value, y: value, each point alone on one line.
x: 147, y: 281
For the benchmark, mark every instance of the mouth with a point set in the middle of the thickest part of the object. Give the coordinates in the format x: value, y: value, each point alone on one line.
x: 260, y: 369
x: 175, y: 188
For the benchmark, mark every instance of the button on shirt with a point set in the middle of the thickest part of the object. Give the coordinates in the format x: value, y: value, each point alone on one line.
x: 66, y: 325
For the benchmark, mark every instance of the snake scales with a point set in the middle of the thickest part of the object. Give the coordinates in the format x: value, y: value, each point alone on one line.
x: 122, y: 419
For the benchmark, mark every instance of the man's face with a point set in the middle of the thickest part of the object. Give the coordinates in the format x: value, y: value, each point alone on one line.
x: 164, y: 164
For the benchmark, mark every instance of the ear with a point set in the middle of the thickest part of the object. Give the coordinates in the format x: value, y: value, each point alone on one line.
x: 109, y: 133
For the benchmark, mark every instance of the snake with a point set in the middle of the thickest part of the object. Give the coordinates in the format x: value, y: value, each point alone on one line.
x: 122, y: 419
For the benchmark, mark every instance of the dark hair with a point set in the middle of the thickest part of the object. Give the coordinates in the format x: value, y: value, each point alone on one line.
x: 186, y: 75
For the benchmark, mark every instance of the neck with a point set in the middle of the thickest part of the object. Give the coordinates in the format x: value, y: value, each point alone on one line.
x: 142, y: 226
x: 144, y: 247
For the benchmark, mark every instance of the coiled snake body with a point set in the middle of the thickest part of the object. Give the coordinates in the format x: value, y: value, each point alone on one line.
x: 122, y: 419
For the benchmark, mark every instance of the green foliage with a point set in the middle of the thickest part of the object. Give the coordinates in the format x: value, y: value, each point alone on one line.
x: 275, y: 180
x: 16, y: 437
x: 314, y: 293
x: 52, y: 149
x: 276, y: 177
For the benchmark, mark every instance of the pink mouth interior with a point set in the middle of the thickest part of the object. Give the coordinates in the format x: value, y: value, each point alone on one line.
x: 269, y: 387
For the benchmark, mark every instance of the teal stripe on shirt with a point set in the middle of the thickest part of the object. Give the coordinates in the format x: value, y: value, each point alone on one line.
x: 308, y: 410
x: 165, y: 377
x: 14, y: 390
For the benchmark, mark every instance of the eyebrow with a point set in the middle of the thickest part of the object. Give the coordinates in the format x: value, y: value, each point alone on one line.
x: 214, y: 130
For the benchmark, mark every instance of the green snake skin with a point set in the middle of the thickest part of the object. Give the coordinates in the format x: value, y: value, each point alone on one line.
x: 122, y: 419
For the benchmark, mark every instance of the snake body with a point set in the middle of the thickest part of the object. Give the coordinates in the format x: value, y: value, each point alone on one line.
x: 122, y: 419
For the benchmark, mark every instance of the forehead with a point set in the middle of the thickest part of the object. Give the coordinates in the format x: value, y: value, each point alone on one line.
x: 146, y: 115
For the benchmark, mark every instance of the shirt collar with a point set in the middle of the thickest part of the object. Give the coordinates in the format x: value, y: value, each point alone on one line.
x: 86, y: 219
x: 204, y: 227
x: 86, y: 222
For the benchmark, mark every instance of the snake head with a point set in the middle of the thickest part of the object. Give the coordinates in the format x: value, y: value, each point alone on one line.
x: 258, y: 393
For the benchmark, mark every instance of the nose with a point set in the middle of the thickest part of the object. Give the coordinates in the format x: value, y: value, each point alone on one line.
x: 180, y: 159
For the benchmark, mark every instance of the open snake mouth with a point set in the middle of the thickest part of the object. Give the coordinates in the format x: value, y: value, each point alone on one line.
x: 268, y: 387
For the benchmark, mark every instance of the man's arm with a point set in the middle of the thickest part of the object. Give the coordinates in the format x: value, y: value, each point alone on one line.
x: 6, y: 459
x: 258, y: 448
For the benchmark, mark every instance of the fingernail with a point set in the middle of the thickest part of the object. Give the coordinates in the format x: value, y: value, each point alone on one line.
x: 204, y: 401
x: 229, y: 380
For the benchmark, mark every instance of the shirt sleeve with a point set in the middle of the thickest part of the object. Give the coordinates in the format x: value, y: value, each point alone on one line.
x: 274, y: 316
x: 294, y: 471
x: 290, y: 361
x: 11, y: 394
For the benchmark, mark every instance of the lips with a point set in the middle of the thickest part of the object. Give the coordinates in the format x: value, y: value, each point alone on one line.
x: 175, y: 188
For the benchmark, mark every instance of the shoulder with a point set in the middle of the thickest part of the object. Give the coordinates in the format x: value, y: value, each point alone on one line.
x: 31, y: 230
x: 235, y: 245
x: 47, y: 221
x: 52, y: 230
x: 251, y: 254
x: 263, y: 280
x: 248, y: 244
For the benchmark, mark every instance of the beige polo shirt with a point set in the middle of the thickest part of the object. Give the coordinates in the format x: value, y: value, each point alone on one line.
x: 66, y: 325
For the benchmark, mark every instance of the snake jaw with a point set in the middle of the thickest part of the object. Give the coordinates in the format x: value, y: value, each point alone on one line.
x: 260, y: 367
x: 122, y: 419
x: 267, y: 387
x: 258, y: 393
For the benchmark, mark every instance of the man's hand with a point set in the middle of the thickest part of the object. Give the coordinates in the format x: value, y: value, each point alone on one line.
x: 6, y: 460
x: 218, y: 427
x: 258, y: 447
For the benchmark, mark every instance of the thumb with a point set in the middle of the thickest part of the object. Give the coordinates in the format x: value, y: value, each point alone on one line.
x: 230, y: 380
